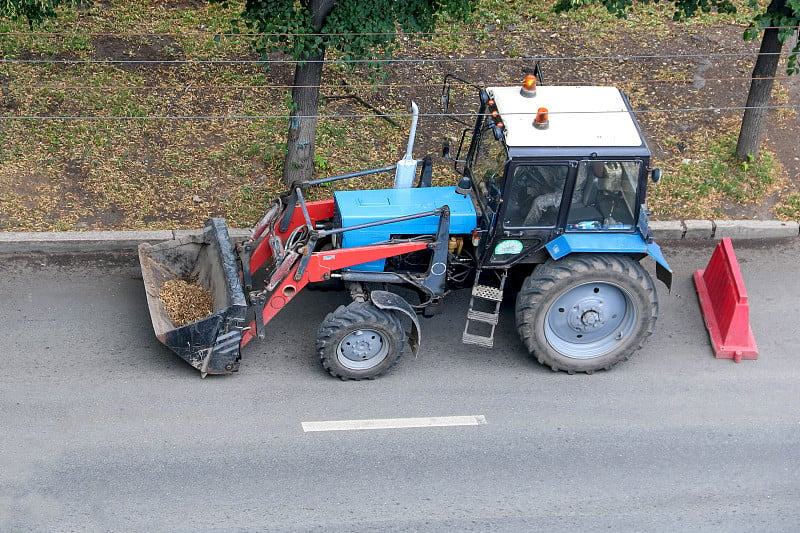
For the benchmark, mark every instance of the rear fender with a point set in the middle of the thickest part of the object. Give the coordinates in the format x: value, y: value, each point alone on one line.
x: 663, y: 271
x: 615, y: 243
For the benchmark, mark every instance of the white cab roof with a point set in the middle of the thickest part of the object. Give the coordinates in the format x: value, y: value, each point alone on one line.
x: 579, y: 116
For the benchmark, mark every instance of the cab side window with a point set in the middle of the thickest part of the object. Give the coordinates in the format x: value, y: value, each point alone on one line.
x: 605, y: 196
x: 535, y: 196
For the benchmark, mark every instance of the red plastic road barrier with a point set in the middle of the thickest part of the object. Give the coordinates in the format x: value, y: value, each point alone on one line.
x: 723, y: 299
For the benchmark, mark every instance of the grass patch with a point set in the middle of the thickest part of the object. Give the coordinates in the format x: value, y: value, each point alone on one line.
x: 708, y: 176
x: 789, y: 207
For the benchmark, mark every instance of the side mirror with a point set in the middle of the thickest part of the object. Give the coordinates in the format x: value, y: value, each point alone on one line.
x: 446, y: 150
x: 656, y: 175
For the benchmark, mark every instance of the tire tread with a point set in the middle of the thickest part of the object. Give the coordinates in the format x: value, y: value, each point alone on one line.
x: 357, y: 314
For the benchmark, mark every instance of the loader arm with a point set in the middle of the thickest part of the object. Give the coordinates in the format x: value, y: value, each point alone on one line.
x: 317, y: 211
x: 319, y: 267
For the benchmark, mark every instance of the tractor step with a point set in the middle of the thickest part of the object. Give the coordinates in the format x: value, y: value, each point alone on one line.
x: 488, y: 293
x: 481, y: 316
x: 478, y: 340
x: 484, y: 310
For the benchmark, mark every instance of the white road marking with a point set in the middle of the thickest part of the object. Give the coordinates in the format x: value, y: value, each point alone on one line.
x: 394, y: 423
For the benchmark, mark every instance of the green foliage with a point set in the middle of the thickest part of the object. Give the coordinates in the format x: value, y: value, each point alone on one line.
x: 357, y: 30
x: 739, y: 182
x: 783, y: 14
x: 35, y: 11
x: 683, y: 8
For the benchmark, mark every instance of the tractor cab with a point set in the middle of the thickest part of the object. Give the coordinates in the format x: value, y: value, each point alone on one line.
x: 548, y: 161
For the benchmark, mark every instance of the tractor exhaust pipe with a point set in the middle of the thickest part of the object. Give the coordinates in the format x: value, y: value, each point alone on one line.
x: 413, y: 134
x: 407, y: 167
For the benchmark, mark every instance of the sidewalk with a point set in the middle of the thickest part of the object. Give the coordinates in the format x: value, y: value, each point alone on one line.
x: 119, y: 241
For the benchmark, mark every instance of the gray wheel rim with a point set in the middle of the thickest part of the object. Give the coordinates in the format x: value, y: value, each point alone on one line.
x: 590, y: 320
x: 362, y: 349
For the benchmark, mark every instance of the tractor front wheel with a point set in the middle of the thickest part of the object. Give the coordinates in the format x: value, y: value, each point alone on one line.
x: 586, y: 312
x: 360, y: 341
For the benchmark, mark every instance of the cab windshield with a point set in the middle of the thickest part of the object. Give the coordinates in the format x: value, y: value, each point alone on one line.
x: 488, y: 167
x: 490, y: 158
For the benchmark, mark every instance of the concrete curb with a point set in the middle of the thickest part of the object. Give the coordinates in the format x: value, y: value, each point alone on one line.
x: 718, y: 229
x: 120, y: 241
x: 93, y: 241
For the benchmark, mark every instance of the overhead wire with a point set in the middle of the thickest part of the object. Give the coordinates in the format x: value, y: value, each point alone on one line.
x: 384, y: 60
x: 359, y: 86
x: 359, y: 116
x: 231, y: 34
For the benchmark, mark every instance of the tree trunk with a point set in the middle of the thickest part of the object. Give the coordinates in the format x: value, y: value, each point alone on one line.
x: 299, y: 163
x: 754, y: 121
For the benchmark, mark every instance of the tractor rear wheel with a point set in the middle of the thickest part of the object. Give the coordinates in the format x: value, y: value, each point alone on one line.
x: 586, y: 312
x: 360, y: 341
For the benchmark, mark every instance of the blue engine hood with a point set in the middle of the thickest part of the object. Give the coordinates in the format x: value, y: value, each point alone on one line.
x: 359, y: 207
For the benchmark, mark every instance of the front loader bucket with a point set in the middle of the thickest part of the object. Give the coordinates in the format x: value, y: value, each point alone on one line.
x: 210, y: 344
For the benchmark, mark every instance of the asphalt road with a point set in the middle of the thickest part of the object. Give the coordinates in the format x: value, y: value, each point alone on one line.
x: 103, y: 429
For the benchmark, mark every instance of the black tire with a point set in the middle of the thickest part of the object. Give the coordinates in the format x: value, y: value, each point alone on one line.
x: 586, y: 312
x: 360, y: 341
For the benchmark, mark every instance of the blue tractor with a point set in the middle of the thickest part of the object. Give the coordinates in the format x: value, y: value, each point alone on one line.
x: 551, y: 187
